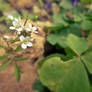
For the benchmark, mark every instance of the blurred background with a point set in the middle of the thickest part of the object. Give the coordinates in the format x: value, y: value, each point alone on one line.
x: 39, y: 10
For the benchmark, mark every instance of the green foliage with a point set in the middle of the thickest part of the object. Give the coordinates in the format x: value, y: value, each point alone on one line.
x: 4, y: 6
x: 4, y: 65
x: 86, y: 1
x: 38, y: 87
x: 20, y: 59
x: 55, y: 28
x: 56, y: 39
x: 3, y: 47
x: 58, y: 19
x: 87, y: 25
x: 66, y: 4
x: 79, y: 48
x: 88, y: 61
x: 18, y: 48
x: 61, y: 74
x: 15, y: 40
x: 3, y: 57
x: 17, y: 72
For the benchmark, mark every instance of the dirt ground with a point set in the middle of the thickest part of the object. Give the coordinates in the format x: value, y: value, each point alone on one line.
x: 29, y: 68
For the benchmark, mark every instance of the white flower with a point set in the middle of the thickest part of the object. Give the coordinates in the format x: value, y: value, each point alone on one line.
x: 10, y: 17
x: 6, y: 37
x: 31, y: 28
x: 17, y: 25
x: 26, y: 42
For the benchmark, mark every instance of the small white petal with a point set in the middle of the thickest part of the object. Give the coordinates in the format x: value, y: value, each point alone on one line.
x: 19, y: 29
x: 32, y: 39
x: 34, y: 28
x: 29, y: 44
x: 28, y: 29
x: 28, y: 38
x: 16, y: 19
x: 14, y: 23
x: 24, y: 46
x: 30, y: 25
x: 10, y: 17
x: 21, y: 38
x: 12, y: 28
x: 18, y: 32
x: 35, y: 31
x: 19, y: 19
x: 6, y: 37
x: 22, y: 25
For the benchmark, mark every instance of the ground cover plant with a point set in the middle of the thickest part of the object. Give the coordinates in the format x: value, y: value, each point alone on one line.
x: 47, y: 45
x: 61, y: 72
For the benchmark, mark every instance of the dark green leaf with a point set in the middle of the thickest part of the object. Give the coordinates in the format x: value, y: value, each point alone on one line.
x: 21, y: 59
x: 3, y: 57
x: 3, y: 47
x: 87, y: 59
x: 18, y: 49
x: 56, y: 39
x: 17, y: 72
x: 55, y: 28
x: 39, y: 87
x: 15, y: 40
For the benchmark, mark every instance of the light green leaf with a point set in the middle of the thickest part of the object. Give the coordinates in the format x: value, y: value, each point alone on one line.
x: 86, y: 25
x: 78, y: 45
x: 4, y: 65
x: 61, y: 76
x: 58, y: 19
x: 87, y: 59
x: 17, y: 72
x: 66, y: 4
x: 77, y: 18
x: 46, y: 58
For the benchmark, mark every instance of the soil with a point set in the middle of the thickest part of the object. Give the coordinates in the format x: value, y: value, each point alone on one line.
x: 29, y: 68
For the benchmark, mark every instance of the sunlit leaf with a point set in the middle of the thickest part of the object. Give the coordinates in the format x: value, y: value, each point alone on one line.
x: 60, y: 76
x: 78, y: 45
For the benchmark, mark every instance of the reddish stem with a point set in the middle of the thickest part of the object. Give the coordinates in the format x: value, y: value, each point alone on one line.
x: 83, y: 33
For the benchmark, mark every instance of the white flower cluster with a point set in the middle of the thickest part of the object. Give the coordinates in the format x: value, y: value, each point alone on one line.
x: 23, y: 31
